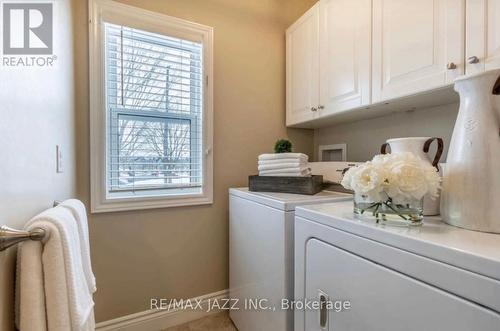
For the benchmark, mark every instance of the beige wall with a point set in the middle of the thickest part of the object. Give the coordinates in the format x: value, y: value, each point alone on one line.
x: 183, y: 252
x: 36, y: 114
x: 364, y: 138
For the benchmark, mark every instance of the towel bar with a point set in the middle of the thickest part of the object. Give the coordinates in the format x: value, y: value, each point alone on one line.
x: 9, y: 237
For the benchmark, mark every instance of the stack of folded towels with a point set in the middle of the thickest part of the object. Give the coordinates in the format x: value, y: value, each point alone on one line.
x: 284, y: 165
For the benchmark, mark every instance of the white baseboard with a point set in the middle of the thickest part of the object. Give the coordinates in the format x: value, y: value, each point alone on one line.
x: 156, y: 319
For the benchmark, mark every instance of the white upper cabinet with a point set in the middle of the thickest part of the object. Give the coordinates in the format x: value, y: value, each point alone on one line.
x: 354, y: 59
x: 417, y: 45
x: 483, y: 35
x: 345, y: 55
x: 302, y: 68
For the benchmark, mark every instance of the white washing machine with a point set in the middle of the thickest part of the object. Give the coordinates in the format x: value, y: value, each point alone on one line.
x: 261, y: 234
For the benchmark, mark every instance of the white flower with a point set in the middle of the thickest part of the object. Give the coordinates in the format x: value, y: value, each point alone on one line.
x: 433, y: 181
x: 403, y: 177
x: 369, y: 180
x: 347, y: 178
x: 411, y: 178
x: 406, y: 181
x: 382, y: 160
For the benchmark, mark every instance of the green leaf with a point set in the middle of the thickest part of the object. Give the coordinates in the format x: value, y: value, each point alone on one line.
x: 283, y: 146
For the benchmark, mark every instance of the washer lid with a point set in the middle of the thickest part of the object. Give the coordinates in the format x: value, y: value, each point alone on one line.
x: 288, y: 201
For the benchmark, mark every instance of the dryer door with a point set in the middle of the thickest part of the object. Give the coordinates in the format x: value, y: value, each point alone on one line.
x: 380, y: 298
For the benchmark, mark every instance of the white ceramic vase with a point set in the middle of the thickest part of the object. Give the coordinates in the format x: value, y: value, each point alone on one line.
x: 420, y: 147
x: 471, y: 182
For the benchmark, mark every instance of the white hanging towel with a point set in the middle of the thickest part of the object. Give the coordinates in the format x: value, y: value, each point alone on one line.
x: 52, y: 289
x: 278, y: 156
x: 79, y: 212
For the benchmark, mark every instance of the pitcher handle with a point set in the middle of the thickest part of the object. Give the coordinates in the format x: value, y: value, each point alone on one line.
x: 439, y: 151
x: 496, y: 87
x: 383, y: 148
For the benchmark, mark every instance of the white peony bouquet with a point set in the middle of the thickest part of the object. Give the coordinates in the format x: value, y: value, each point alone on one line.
x: 398, y: 178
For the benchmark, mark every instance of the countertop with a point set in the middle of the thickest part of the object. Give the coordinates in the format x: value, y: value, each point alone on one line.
x: 470, y: 250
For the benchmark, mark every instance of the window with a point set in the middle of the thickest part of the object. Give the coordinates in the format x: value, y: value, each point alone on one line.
x: 151, y: 110
x: 153, y: 95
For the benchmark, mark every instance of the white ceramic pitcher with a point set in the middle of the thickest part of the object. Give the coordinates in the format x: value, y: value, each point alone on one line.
x: 420, y: 147
x: 471, y: 182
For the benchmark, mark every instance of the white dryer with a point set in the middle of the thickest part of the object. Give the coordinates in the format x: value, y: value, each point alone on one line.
x: 435, y: 277
x: 261, y: 234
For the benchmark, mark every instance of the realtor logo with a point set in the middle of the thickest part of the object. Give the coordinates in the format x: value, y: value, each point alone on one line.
x: 27, y: 28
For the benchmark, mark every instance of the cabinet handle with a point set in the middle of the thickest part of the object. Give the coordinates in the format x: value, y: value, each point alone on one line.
x: 314, y: 109
x: 451, y: 66
x: 323, y: 312
x: 473, y: 59
x: 321, y: 107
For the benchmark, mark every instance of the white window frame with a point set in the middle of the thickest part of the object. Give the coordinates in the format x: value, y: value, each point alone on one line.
x: 117, y: 13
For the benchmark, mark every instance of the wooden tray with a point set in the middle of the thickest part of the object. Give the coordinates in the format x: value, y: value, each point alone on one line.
x: 297, y: 185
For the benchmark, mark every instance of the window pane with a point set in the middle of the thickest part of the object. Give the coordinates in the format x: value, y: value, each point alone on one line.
x: 153, y: 152
x: 154, y: 102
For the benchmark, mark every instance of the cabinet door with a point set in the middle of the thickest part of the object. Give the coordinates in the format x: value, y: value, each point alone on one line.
x: 413, y: 44
x: 345, y: 54
x: 482, y: 35
x: 302, y: 71
x: 382, y: 299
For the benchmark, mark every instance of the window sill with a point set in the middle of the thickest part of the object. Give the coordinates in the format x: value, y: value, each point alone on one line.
x: 126, y: 204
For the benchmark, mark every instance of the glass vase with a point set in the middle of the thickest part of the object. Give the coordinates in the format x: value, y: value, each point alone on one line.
x: 409, y: 213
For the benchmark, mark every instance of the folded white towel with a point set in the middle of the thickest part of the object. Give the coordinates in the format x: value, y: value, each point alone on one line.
x: 79, y: 212
x: 291, y: 172
x: 305, y: 173
x: 291, y: 169
x: 287, y: 160
x: 282, y: 166
x: 278, y: 156
x: 52, y: 287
